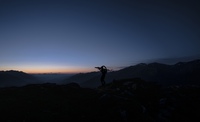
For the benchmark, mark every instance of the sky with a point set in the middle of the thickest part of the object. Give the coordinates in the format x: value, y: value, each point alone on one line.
x: 71, y: 36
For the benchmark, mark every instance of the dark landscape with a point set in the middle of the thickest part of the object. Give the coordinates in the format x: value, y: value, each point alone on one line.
x: 99, y: 61
x: 143, y: 93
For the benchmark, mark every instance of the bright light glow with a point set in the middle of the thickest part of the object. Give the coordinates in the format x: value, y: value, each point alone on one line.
x: 48, y: 69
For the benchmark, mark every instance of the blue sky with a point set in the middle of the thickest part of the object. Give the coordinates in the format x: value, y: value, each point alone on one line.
x: 76, y: 36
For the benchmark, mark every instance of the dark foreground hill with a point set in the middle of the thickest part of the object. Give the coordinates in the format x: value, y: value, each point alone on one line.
x: 179, y: 73
x: 128, y: 100
x: 15, y: 78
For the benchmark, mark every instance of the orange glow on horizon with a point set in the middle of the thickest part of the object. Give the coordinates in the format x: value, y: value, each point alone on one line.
x: 65, y: 71
x: 49, y: 69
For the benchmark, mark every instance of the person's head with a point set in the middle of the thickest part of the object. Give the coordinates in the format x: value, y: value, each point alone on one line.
x: 104, y: 67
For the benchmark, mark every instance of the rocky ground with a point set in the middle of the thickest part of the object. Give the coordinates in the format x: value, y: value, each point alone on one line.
x: 125, y: 100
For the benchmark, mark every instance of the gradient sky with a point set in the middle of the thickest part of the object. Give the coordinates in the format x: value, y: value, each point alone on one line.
x: 39, y: 36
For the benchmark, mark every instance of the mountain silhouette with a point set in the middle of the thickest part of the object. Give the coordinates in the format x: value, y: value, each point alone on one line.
x: 169, y: 93
x: 179, y: 73
x: 15, y: 78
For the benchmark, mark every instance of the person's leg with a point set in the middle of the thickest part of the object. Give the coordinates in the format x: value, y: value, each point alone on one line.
x: 103, y: 83
x: 103, y: 80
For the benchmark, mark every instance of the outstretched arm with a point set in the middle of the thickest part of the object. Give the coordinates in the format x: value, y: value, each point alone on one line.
x: 109, y: 70
x: 98, y: 68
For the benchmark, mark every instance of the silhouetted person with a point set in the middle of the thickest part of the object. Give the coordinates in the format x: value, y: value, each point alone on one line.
x: 103, y: 70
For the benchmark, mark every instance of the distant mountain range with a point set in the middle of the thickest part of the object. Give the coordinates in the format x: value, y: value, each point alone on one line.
x: 179, y: 73
x: 16, y: 78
